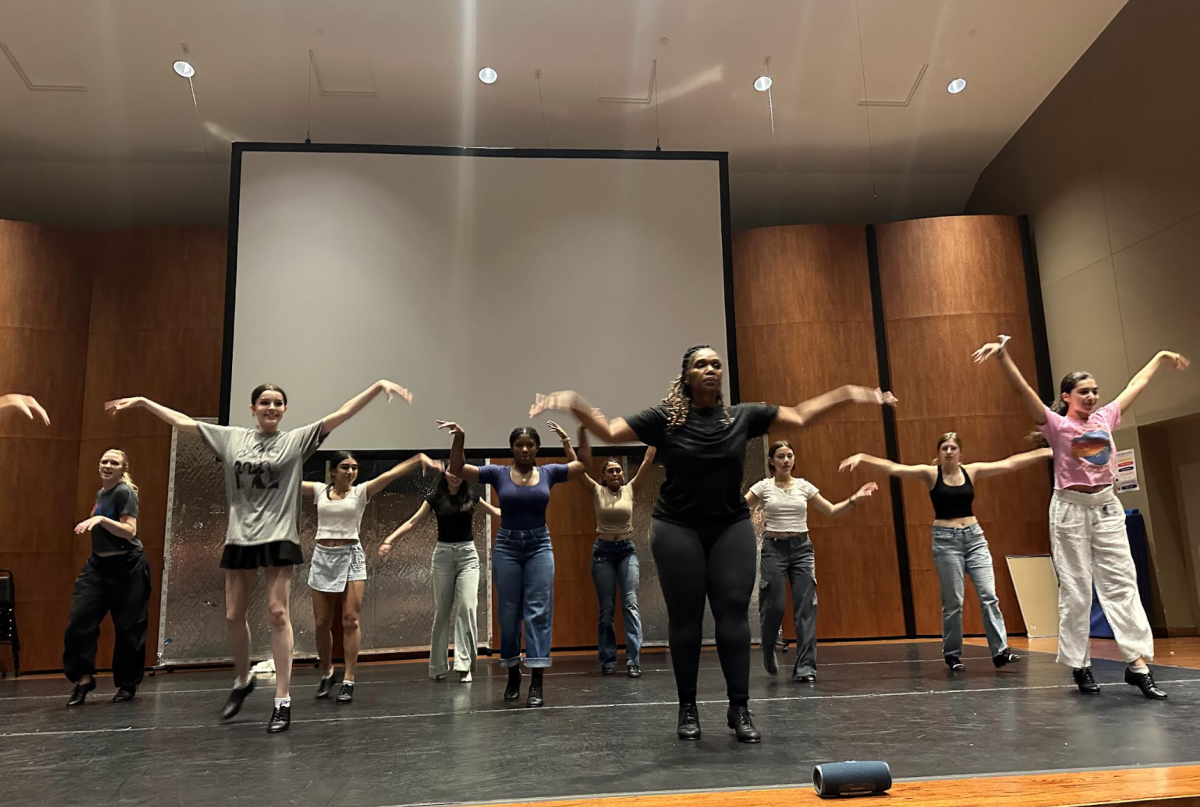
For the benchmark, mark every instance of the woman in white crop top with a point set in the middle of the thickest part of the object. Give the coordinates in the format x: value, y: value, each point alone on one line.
x: 614, y: 557
x: 339, y: 566
x: 787, y: 553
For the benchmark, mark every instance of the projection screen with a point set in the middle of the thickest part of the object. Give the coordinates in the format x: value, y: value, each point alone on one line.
x: 475, y: 278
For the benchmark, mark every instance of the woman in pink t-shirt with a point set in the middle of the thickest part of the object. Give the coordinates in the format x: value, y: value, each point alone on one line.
x: 1087, y: 522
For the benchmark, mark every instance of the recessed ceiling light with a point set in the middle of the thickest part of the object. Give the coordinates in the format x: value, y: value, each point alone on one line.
x: 184, y: 69
x: 762, y: 83
x: 487, y: 75
x: 956, y: 86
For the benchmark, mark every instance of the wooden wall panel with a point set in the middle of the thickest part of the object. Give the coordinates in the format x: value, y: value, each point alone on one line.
x: 948, y: 286
x: 804, y: 326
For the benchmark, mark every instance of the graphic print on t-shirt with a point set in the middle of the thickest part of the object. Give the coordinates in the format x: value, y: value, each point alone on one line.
x: 257, y: 474
x: 1094, y: 447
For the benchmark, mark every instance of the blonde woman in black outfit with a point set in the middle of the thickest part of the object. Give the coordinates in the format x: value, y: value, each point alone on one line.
x: 701, y: 535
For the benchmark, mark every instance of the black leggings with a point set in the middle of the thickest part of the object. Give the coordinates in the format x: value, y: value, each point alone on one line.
x: 717, y: 564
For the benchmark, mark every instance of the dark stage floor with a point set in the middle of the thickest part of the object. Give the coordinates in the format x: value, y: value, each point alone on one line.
x: 407, y: 740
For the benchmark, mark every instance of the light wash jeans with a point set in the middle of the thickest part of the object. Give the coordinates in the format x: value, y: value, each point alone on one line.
x: 964, y: 549
x: 616, y: 562
x: 523, y: 568
x: 455, y: 573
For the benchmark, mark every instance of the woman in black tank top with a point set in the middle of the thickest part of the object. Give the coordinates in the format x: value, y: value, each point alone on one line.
x: 959, y: 545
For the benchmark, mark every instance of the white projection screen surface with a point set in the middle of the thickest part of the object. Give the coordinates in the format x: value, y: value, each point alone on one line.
x: 473, y: 280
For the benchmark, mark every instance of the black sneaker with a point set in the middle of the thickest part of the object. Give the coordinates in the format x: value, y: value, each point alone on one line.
x: 806, y: 678
x: 325, y: 688
x: 1145, y: 682
x: 742, y: 725
x: 281, y: 718
x: 954, y: 663
x: 1005, y: 656
x: 535, y: 696
x: 689, y: 722
x: 125, y: 694
x: 233, y: 704
x: 80, y: 692
x: 633, y: 671
x: 346, y: 693
x: 608, y: 669
x: 1085, y: 681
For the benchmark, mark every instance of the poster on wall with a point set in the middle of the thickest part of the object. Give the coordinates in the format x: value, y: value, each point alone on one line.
x: 1127, y: 478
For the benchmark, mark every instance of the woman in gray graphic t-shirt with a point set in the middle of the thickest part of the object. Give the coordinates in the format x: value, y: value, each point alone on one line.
x: 263, y: 471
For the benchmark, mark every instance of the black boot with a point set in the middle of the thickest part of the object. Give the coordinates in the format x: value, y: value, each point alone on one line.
x: 513, y: 690
x: 80, y: 692
x: 742, y: 725
x: 689, y: 722
x: 281, y: 718
x: 1145, y: 682
x: 125, y: 694
x: 1085, y: 681
x: 1005, y: 656
x: 535, y: 690
x: 233, y: 704
x: 954, y: 663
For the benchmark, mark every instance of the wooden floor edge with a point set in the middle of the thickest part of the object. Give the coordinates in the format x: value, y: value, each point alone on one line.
x: 1130, y: 787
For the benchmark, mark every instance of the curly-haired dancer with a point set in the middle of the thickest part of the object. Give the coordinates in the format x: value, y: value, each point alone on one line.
x: 703, y: 542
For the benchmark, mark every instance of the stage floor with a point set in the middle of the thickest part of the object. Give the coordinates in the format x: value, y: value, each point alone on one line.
x: 407, y: 740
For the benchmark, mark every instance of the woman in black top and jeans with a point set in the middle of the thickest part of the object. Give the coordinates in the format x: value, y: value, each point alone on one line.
x: 701, y: 535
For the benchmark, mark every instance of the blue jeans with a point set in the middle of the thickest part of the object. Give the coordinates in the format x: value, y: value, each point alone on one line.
x: 964, y: 549
x: 616, y: 562
x: 523, y: 569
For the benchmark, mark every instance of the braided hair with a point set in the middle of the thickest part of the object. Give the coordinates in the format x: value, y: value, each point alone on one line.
x: 679, y: 395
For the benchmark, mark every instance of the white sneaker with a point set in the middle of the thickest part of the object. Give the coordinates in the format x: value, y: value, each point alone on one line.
x: 464, y: 677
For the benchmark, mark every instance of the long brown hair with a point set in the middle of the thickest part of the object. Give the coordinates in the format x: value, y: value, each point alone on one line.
x: 1059, y: 407
x: 948, y: 436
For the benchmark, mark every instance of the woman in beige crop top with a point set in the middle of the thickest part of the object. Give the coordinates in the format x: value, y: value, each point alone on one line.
x: 614, y: 557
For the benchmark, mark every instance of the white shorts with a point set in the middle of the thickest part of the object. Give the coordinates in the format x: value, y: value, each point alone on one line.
x: 332, y: 567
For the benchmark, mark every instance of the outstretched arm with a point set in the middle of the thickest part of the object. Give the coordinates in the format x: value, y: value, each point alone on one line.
x: 400, y: 469
x: 458, y: 460
x: 574, y: 466
x: 353, y: 406
x: 643, y: 471
x: 610, y: 431
x: 25, y: 404
x: 925, y: 472
x: 585, y: 456
x: 405, y: 528
x: 804, y: 413
x: 979, y: 470
x: 168, y: 416
x: 1033, y: 404
x: 822, y: 504
x: 1139, y: 381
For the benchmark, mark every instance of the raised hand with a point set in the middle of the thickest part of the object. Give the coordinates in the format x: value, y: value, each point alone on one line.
x: 563, y: 399
x: 391, y: 389
x: 1177, y: 361
x: 450, y: 426
x: 865, y: 491
x: 120, y: 405
x: 987, y: 351
x: 850, y: 463
x: 26, y: 405
x: 554, y: 427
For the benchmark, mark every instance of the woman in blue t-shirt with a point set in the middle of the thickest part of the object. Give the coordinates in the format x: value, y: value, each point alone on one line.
x: 523, y: 558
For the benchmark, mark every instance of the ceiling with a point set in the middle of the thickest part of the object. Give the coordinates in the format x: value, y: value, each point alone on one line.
x: 96, y: 130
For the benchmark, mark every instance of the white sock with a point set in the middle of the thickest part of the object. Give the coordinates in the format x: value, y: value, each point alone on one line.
x: 283, y: 701
x: 349, y: 681
x: 1140, y: 669
x: 241, y: 683
x: 327, y: 675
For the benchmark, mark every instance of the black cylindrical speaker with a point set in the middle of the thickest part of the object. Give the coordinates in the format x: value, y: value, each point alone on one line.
x: 852, y: 778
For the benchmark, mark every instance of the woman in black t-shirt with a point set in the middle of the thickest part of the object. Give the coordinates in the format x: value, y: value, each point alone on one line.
x: 701, y: 535
x: 115, y: 580
x: 454, y: 569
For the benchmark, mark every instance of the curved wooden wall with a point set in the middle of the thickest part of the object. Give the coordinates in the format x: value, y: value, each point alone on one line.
x: 949, y: 285
x: 804, y: 326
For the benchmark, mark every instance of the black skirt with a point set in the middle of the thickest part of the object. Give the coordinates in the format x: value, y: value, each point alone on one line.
x: 262, y: 556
